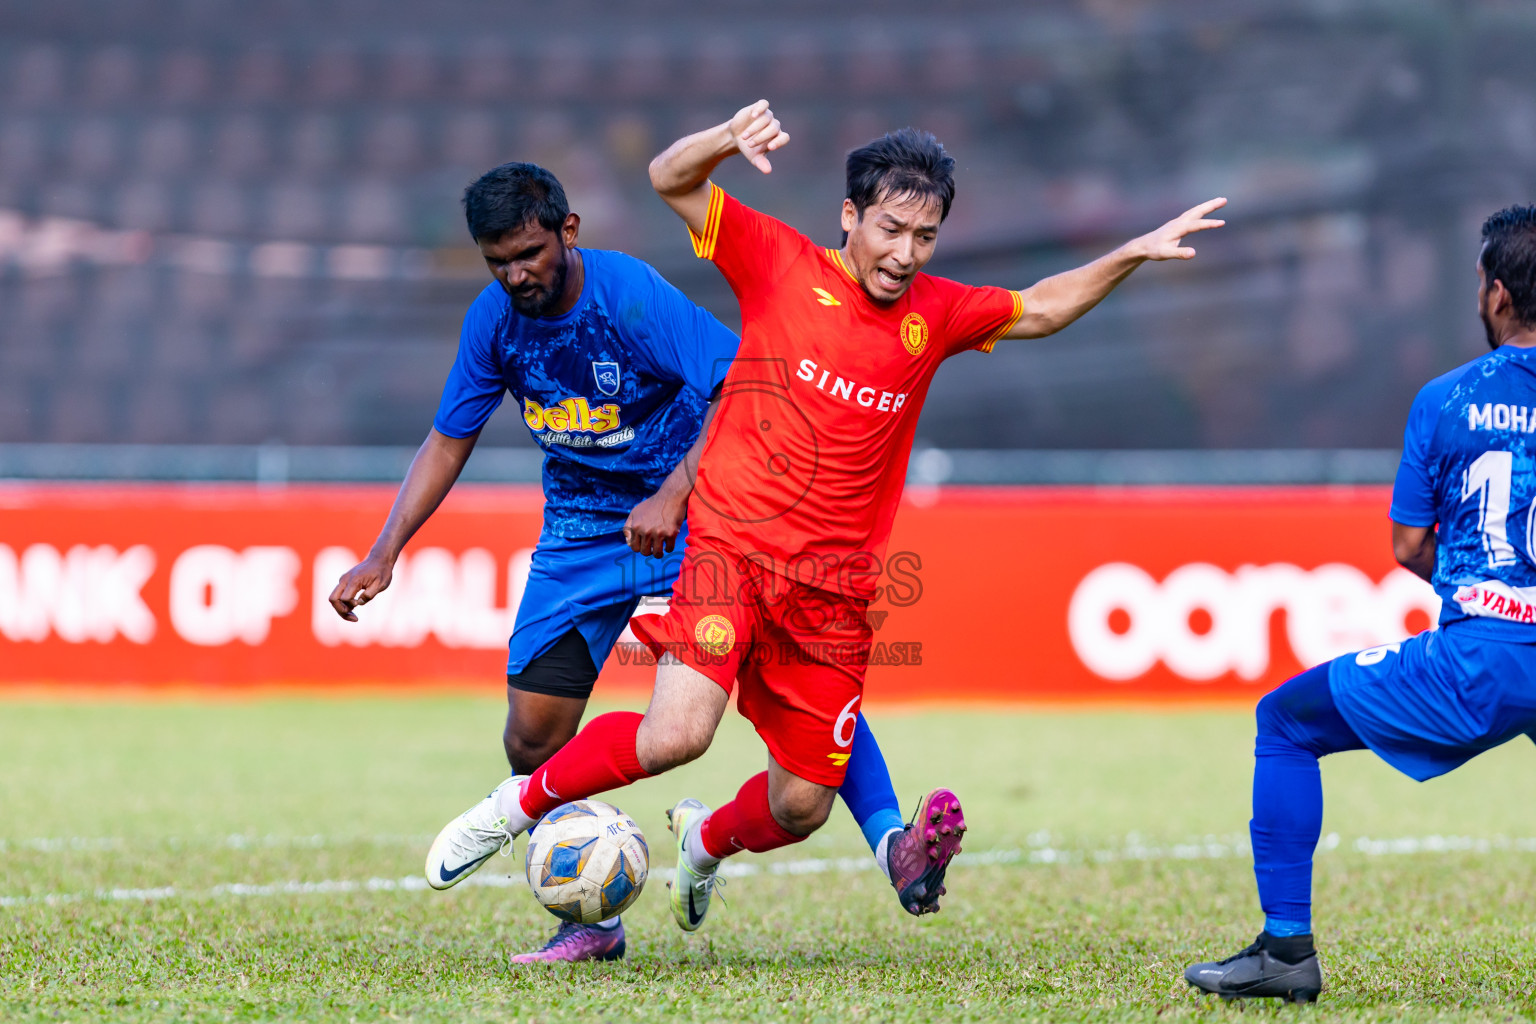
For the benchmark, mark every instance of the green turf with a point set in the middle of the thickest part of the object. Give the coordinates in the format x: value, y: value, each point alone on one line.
x: 196, y: 796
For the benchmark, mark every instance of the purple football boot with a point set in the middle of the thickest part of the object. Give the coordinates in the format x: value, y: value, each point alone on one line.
x: 578, y: 942
x: 919, y: 856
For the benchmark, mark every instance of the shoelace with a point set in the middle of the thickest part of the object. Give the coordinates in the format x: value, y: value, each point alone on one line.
x: 710, y: 883
x: 498, y: 834
x: 1240, y: 954
x: 565, y: 933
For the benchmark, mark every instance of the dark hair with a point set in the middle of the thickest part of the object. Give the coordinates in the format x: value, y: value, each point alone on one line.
x: 1509, y: 255
x: 901, y: 165
x: 508, y: 197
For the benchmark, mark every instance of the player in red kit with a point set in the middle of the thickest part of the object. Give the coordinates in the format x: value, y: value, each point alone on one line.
x: 800, y: 478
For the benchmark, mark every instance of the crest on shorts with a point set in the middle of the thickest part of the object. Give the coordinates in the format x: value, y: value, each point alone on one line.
x: 607, y: 375
x: 715, y: 635
x: 914, y: 333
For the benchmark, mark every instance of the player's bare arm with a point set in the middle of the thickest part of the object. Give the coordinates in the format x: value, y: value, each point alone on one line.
x: 1055, y: 302
x: 432, y: 474
x: 653, y: 525
x: 1414, y: 549
x: 680, y: 175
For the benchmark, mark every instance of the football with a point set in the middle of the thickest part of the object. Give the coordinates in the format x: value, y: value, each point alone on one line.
x: 587, y: 861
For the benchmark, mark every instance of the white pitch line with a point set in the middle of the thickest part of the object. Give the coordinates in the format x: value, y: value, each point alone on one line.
x: 1038, y: 852
x: 234, y: 841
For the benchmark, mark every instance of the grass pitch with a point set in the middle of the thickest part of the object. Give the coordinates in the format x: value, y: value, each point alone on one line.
x: 255, y: 860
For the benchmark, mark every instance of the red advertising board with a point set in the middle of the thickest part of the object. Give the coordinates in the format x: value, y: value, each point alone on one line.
x: 995, y: 593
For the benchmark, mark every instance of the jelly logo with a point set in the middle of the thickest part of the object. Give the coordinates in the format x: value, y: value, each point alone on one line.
x: 572, y: 415
x: 1203, y: 622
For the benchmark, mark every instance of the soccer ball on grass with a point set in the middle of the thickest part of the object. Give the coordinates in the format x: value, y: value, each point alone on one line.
x: 587, y: 861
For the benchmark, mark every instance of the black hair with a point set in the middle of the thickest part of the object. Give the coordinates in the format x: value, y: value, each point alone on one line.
x: 508, y: 197
x: 1509, y: 255
x: 904, y: 164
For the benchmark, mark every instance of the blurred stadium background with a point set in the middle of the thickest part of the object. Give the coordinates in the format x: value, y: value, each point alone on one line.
x: 236, y: 223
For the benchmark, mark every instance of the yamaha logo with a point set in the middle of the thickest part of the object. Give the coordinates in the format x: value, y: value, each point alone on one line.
x: 914, y: 333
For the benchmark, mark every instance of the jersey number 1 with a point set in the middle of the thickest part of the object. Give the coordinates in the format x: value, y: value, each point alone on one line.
x: 1489, y: 478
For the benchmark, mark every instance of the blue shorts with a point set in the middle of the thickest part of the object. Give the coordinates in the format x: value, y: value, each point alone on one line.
x: 1434, y: 702
x: 591, y: 584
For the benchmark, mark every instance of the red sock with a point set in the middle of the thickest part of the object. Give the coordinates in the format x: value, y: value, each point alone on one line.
x: 599, y: 758
x: 745, y: 823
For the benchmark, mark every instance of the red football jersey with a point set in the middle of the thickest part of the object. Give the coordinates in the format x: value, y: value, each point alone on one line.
x: 807, y: 456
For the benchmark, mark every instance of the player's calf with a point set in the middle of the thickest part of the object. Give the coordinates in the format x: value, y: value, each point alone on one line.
x: 680, y: 722
x: 798, y: 805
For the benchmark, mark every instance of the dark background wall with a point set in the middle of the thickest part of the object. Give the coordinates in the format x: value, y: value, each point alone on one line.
x: 238, y: 222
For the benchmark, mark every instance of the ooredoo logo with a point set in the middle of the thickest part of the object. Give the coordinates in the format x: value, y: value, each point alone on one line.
x: 1203, y: 622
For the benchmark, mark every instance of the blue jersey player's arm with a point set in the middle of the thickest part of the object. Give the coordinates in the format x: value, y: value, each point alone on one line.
x: 473, y: 391
x: 1413, y: 510
x: 685, y: 343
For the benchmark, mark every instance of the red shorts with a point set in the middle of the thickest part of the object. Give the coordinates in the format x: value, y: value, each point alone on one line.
x: 799, y: 653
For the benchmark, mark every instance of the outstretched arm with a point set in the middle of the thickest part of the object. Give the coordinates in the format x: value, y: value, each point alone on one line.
x: 653, y: 525
x: 1055, y: 302
x: 680, y: 175
x: 432, y: 474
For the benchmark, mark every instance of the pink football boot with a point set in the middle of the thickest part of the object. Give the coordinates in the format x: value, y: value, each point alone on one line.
x: 919, y: 856
x: 578, y: 942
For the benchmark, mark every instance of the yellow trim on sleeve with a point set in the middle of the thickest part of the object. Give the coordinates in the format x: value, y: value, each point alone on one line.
x: 997, y: 335
x: 704, y: 248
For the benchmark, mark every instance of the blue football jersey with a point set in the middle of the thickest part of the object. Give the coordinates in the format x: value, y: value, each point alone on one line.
x: 1470, y: 468
x: 614, y: 391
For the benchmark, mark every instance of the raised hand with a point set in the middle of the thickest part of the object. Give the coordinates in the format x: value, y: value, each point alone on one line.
x: 757, y: 133
x: 1167, y: 242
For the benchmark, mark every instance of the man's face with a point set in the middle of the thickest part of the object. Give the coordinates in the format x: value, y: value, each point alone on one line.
x: 530, y: 263
x: 891, y: 242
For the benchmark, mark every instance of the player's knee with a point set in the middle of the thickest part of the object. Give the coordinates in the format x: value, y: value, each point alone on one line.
x: 801, y: 810
x: 1271, y: 714
x: 526, y: 752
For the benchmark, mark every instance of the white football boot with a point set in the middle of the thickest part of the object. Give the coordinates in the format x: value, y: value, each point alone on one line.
x: 691, y: 888
x: 471, y: 839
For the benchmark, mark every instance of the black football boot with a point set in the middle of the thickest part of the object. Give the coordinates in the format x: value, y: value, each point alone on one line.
x: 1286, y: 968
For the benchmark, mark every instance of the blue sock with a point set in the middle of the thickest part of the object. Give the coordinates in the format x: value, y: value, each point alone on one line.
x: 1297, y: 724
x: 867, y: 788
x: 1287, y: 820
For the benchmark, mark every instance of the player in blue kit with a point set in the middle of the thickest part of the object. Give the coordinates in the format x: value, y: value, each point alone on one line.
x: 615, y: 372
x: 1463, y: 519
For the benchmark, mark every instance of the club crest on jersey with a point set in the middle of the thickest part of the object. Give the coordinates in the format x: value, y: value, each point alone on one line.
x: 607, y: 375
x: 715, y: 635
x: 914, y: 333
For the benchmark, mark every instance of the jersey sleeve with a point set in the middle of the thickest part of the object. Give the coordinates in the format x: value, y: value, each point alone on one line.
x: 749, y: 247
x: 681, y: 340
x: 1413, y: 492
x: 978, y: 317
x: 475, y: 384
